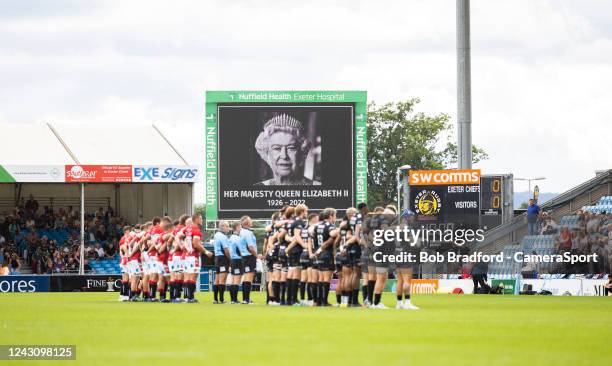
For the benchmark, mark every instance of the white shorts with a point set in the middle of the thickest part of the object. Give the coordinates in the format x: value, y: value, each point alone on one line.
x: 134, y: 267
x: 175, y: 264
x: 192, y: 264
x: 152, y: 266
x: 159, y: 267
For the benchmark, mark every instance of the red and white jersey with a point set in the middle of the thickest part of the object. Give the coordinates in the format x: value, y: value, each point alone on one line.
x: 137, y: 253
x: 155, y: 232
x: 163, y: 255
x: 178, y: 230
x: 191, y: 232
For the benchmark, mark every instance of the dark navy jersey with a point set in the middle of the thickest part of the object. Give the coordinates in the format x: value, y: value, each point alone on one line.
x: 304, y: 233
x: 322, y: 234
x: 289, y: 231
x: 298, y: 224
x: 344, y: 231
x: 354, y: 221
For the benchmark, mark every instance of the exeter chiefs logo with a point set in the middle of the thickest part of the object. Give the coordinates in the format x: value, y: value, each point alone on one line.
x: 427, y: 203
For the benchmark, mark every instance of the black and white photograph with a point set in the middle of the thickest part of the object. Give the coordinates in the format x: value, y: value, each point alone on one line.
x: 268, y: 155
x: 291, y: 150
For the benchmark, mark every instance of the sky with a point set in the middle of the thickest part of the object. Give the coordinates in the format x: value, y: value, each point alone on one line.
x: 541, y: 70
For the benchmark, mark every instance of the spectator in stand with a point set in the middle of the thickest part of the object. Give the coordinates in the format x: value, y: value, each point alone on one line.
x: 565, y: 239
x: 58, y: 263
x: 31, y: 206
x: 99, y: 251
x: 87, y: 267
x: 550, y: 226
x: 101, y: 234
x: 533, y: 213
x: 529, y: 269
x: 110, y: 250
x: 72, y: 265
x: 14, y: 265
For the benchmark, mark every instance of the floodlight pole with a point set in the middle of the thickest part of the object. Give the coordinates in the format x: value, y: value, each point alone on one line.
x: 82, y: 251
x: 402, y: 185
x: 464, y: 86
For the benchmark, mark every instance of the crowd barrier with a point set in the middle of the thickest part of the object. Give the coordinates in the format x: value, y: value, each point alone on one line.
x: 111, y: 283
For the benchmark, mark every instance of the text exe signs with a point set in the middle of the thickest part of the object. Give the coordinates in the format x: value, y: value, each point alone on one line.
x: 167, y: 173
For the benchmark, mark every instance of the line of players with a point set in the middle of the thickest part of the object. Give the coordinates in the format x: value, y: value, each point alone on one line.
x: 303, y: 250
x: 161, y: 255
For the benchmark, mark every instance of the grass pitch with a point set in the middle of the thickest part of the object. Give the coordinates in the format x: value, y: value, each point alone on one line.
x: 448, y: 330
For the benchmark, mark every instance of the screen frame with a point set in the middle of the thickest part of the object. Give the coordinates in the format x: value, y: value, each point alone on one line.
x: 284, y: 98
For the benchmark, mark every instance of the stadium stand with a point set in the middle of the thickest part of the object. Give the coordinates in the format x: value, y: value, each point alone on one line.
x: 46, y: 240
x: 588, y: 231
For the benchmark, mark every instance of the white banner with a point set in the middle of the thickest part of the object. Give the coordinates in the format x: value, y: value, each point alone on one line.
x: 35, y: 173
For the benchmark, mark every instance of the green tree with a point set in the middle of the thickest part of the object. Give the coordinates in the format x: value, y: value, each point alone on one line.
x: 398, y: 135
x: 201, y: 209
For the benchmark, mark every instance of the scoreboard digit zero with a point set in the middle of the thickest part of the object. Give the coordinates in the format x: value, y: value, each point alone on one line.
x: 496, y: 206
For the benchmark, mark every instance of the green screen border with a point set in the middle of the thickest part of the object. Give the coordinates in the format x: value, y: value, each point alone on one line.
x: 213, y: 98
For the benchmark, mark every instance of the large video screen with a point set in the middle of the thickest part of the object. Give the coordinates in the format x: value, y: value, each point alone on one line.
x: 271, y: 155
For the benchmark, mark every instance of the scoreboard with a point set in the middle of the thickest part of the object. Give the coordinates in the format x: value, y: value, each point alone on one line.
x: 460, y: 199
x: 496, y: 201
x: 446, y: 199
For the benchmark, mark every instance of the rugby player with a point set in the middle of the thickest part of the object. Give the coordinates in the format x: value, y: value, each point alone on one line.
x: 283, y: 240
x: 294, y: 251
x: 325, y: 235
x: 222, y: 261
x: 192, y: 241
x: 236, y: 262
x: 386, y: 220
x: 341, y: 264
x: 369, y: 268
x: 308, y: 265
x: 403, y: 271
x: 175, y: 259
x: 248, y: 249
x: 151, y: 269
x: 135, y: 263
x: 353, y: 256
x: 123, y: 253
x: 162, y: 247
x: 271, y: 250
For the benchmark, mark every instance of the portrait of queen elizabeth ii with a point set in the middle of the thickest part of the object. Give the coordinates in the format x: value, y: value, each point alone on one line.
x: 284, y: 147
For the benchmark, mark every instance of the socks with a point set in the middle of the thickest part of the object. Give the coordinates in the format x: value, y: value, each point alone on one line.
x: 276, y: 291
x: 309, y: 291
x: 162, y: 293
x: 377, y: 299
x: 153, y: 287
x: 315, y: 292
x: 289, y: 285
x: 355, y: 297
x: 339, y: 296
x: 216, y: 292
x: 283, y: 291
x: 221, y: 293
x: 302, y: 290
x: 371, y: 285
x: 324, y: 292
x: 364, y: 292
x: 246, y: 291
